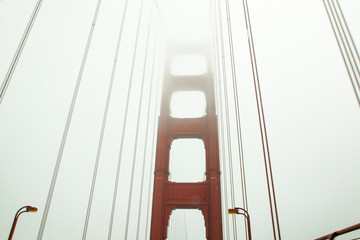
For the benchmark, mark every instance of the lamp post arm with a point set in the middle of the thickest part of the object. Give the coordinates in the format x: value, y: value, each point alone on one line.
x: 18, y: 213
x: 245, y: 214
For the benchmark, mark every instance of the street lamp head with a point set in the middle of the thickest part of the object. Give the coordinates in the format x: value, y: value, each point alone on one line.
x: 243, y: 212
x: 31, y: 209
x: 233, y: 211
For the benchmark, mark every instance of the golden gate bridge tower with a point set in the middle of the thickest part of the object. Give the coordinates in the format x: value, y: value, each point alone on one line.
x: 205, y: 195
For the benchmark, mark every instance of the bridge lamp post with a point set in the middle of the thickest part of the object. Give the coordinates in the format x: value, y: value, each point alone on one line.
x: 243, y: 212
x: 18, y: 213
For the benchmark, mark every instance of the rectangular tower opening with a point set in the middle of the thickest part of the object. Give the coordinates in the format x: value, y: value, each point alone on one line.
x: 187, y: 161
x: 188, y: 104
x: 186, y: 224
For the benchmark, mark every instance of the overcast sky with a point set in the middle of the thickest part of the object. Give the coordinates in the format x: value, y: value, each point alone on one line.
x: 312, y: 117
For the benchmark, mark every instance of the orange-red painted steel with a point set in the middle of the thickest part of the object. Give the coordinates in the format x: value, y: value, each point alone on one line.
x: 206, y: 195
x: 17, y: 215
x: 340, y: 232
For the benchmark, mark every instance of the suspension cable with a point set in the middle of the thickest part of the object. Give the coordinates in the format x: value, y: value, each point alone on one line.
x: 217, y: 69
x: 334, y: 22
x: 237, y: 113
x: 19, y: 50
x: 147, y: 120
x: 153, y: 147
x: 221, y: 129
x: 104, y: 123
x: 138, y: 115
x: 348, y: 30
x: 342, y: 32
x: 124, y: 126
x: 262, y: 125
x: 123, y: 134
x: 67, y: 126
x: 227, y: 123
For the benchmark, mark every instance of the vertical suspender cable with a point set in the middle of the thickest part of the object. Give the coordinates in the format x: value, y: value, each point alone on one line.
x: 221, y: 122
x: 152, y: 166
x: 262, y: 125
x: 227, y: 122
x: 343, y: 48
x: 153, y: 145
x: 228, y: 136
x: 147, y: 119
x: 104, y: 123
x: 67, y: 126
x: 124, y: 127
x: 221, y: 128
x: 237, y: 113
x: 138, y: 116
x: 19, y: 50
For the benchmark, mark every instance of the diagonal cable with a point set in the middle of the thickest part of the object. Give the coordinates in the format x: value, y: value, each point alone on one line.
x: 104, y: 123
x: 124, y: 128
x: 67, y: 126
x: 19, y: 50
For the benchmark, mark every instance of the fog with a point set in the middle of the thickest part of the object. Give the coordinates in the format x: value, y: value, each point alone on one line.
x: 311, y: 113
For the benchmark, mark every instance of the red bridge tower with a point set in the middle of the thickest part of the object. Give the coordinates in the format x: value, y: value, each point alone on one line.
x: 205, y: 195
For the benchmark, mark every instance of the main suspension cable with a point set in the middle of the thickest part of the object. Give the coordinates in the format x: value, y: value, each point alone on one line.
x: 67, y: 126
x: 262, y: 125
x: 19, y: 50
x: 104, y: 122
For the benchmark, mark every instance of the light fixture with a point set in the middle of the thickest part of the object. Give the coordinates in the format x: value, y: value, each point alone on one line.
x: 245, y: 214
x: 18, y: 213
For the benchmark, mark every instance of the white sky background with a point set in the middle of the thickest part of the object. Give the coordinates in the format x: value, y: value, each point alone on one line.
x: 311, y: 112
